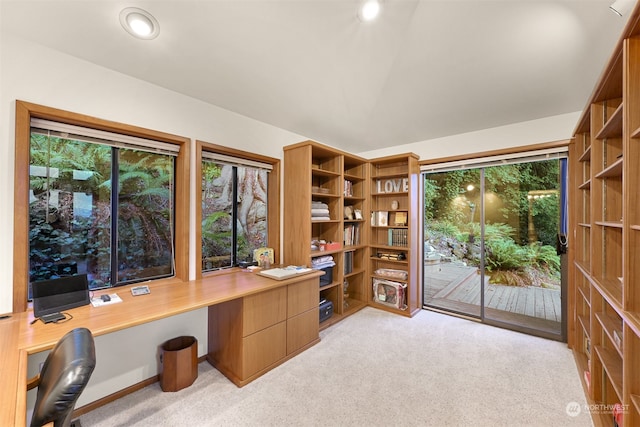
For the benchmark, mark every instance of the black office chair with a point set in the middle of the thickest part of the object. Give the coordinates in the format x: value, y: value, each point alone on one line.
x: 63, y: 377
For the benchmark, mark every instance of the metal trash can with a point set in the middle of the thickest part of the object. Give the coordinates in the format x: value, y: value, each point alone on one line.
x: 178, y: 363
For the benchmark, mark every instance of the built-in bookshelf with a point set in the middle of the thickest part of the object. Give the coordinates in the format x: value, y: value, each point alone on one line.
x: 604, y: 285
x: 325, y: 198
x: 395, y: 234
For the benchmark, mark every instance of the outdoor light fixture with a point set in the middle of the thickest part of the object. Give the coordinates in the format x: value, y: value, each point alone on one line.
x: 369, y: 10
x: 139, y: 23
x: 621, y: 7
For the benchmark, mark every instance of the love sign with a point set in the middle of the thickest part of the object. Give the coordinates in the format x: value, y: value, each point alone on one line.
x: 396, y: 185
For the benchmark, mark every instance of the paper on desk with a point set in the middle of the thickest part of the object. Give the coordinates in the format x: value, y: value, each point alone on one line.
x: 97, y: 302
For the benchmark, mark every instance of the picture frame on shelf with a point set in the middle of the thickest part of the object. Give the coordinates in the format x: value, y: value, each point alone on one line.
x: 357, y: 213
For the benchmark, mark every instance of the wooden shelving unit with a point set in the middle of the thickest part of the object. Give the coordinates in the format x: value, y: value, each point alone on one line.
x: 604, y: 279
x: 395, y: 231
x: 317, y: 173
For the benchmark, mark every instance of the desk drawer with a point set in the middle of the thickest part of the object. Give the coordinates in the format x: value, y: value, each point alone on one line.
x: 263, y: 349
x: 302, y: 330
x: 263, y: 310
x: 302, y: 296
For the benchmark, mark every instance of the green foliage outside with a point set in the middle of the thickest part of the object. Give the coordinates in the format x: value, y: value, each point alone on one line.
x: 452, y: 221
x: 68, y: 236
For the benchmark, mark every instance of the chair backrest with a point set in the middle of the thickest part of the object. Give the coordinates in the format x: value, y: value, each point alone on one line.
x: 63, y: 377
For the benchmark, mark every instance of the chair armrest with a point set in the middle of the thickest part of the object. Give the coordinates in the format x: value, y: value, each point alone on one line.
x: 33, y: 382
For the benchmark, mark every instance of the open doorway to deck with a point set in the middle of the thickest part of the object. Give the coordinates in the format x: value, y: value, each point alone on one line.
x: 494, y: 234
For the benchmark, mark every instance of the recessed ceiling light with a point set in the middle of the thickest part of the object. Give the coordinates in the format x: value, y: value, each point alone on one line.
x: 369, y: 10
x: 139, y: 23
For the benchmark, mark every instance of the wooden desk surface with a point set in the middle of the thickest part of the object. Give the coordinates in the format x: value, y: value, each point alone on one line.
x: 20, y: 338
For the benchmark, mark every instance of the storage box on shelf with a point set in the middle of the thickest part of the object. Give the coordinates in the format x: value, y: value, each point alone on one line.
x: 605, y: 273
x: 395, y: 234
x: 325, y: 195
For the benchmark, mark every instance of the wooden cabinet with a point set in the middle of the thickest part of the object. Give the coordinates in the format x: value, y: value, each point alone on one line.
x: 325, y: 198
x: 604, y: 323
x: 395, y: 237
x: 249, y: 336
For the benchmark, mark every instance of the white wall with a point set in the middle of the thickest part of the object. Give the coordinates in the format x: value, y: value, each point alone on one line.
x: 549, y: 129
x: 37, y: 74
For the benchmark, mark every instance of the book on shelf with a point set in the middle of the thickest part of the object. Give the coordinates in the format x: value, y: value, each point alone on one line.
x: 348, y: 188
x: 348, y: 262
x: 380, y: 218
x: 398, y: 237
x: 351, y: 234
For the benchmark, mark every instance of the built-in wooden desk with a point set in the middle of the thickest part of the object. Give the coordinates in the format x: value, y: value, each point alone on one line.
x: 19, y: 337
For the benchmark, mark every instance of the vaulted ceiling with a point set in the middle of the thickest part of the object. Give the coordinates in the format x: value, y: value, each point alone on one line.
x: 424, y: 69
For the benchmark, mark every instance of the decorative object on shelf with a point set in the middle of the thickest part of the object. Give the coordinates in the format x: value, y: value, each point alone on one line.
x: 348, y: 212
x: 263, y: 256
x: 390, y: 293
x: 400, y: 218
x: 395, y: 205
x: 357, y: 213
x: 394, y: 185
x: 345, y: 293
x: 400, y: 256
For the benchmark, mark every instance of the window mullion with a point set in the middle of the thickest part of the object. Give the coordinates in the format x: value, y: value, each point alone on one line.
x: 115, y: 180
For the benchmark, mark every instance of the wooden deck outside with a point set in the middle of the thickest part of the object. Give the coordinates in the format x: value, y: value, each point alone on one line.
x: 456, y: 287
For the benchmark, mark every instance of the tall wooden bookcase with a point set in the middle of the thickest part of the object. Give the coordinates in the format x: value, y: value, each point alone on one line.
x: 348, y: 186
x: 604, y: 322
x: 396, y: 233
x: 317, y: 173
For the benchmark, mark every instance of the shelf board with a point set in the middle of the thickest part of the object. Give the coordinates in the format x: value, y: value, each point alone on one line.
x: 325, y: 173
x: 314, y: 254
x: 326, y: 195
x: 613, y: 170
x: 635, y: 227
x: 351, y: 177
x: 391, y: 279
x: 585, y: 185
x: 329, y: 286
x: 611, y: 290
x: 612, y: 224
x: 635, y: 399
x: 586, y: 324
x: 390, y: 248
x: 390, y: 193
x: 585, y: 296
x: 355, y: 272
x: 354, y: 305
x: 389, y: 175
x: 633, y: 321
x: 610, y: 324
x: 584, y: 269
x: 636, y: 133
x: 613, y: 127
x: 375, y: 258
x: 353, y: 199
x: 612, y: 364
x: 586, y: 156
x: 584, y: 224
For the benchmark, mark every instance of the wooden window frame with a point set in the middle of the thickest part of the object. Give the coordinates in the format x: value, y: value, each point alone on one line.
x: 25, y: 111
x: 273, y: 197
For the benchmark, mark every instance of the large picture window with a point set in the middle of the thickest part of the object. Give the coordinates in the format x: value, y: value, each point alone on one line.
x: 102, y: 198
x: 236, y: 207
x: 99, y: 207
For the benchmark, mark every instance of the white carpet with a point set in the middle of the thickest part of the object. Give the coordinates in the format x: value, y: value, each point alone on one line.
x: 379, y: 369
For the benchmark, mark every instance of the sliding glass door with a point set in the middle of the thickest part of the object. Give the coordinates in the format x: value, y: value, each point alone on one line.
x: 490, y: 244
x: 452, y: 261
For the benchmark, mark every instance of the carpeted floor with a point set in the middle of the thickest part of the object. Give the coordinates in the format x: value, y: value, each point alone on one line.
x: 379, y: 369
